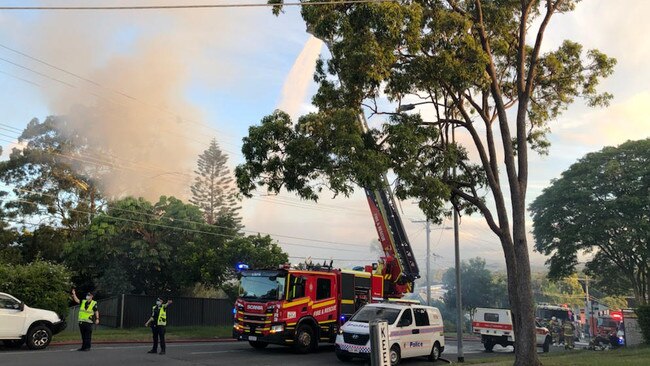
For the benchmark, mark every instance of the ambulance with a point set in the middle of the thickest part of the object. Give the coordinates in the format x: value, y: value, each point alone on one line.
x: 414, y: 331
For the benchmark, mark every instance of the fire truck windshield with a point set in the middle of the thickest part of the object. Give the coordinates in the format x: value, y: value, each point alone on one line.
x: 262, y: 286
x: 369, y: 313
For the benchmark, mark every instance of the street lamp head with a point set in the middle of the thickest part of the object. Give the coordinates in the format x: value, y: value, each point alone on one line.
x: 406, y: 107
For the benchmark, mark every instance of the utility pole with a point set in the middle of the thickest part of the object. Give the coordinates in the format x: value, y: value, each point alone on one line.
x: 428, y: 263
x: 459, y: 304
x: 588, y: 310
x: 427, y: 222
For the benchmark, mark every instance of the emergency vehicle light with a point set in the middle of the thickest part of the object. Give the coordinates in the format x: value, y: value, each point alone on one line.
x: 241, y: 266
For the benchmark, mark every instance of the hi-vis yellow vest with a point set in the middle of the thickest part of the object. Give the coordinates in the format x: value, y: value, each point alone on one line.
x: 86, y: 313
x: 162, y: 315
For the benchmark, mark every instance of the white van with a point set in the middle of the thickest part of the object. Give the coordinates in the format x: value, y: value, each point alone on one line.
x: 414, y: 331
x: 19, y: 324
x: 495, y: 327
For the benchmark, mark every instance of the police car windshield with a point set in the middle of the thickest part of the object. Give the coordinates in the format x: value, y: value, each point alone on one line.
x: 369, y: 313
x: 262, y: 287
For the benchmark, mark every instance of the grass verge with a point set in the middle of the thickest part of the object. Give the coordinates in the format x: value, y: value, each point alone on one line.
x: 633, y: 356
x: 144, y: 334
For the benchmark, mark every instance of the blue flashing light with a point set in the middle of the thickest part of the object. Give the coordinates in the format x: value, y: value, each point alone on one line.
x: 241, y: 266
x: 234, y: 310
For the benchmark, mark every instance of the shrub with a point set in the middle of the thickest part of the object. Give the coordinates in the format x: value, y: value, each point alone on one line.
x: 643, y: 312
x: 38, y: 284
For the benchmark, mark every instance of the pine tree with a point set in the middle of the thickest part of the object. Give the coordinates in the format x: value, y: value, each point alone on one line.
x: 214, y: 191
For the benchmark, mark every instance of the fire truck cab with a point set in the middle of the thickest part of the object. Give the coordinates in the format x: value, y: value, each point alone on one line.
x: 300, y: 307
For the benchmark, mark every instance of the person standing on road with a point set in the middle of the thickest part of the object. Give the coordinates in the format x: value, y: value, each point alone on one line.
x: 158, y: 323
x: 569, y: 334
x: 88, y: 314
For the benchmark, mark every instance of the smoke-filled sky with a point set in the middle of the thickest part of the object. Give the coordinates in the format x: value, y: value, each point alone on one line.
x: 162, y: 83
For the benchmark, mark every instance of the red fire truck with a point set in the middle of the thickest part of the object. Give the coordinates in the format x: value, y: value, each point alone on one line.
x: 609, y: 322
x: 301, y: 307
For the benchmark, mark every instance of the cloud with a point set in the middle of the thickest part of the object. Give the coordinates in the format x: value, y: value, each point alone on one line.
x: 626, y: 120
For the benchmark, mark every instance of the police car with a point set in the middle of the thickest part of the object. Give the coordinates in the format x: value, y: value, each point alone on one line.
x: 414, y: 331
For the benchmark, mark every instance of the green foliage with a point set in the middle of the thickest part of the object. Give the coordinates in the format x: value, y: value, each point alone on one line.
x: 600, y: 205
x: 46, y: 242
x: 164, y: 248
x: 554, y: 291
x: 474, y: 65
x: 49, y: 179
x: 478, y: 289
x: 643, y: 313
x: 436, y: 53
x: 213, y: 190
x: 39, y: 284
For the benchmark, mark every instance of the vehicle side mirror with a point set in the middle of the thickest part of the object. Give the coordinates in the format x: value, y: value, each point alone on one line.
x: 21, y: 307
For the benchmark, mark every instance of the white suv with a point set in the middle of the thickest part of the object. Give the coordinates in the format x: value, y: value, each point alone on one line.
x: 413, y: 331
x: 19, y: 324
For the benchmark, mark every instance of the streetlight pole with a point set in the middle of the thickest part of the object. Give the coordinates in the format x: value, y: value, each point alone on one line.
x: 459, y: 304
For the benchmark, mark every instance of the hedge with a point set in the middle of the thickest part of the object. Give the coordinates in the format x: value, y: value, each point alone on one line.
x: 38, y: 284
x: 643, y: 312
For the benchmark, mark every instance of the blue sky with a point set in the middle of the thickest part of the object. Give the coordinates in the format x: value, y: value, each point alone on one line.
x: 199, y: 74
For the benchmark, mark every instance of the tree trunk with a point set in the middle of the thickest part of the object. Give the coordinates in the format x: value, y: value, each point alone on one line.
x: 524, y: 314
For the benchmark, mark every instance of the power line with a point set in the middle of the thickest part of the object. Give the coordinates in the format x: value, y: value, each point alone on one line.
x: 130, y: 97
x: 195, y: 222
x: 172, y: 227
x: 196, y: 6
x: 176, y: 178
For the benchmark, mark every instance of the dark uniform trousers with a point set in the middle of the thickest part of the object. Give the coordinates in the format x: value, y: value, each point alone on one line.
x: 86, y: 334
x: 158, y: 332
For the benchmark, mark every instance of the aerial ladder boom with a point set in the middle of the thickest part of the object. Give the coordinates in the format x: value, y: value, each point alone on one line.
x: 399, y: 266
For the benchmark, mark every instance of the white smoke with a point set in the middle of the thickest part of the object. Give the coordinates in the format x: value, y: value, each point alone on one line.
x: 296, y: 86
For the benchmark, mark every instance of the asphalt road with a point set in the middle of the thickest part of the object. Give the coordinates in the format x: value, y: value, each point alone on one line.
x: 228, y: 353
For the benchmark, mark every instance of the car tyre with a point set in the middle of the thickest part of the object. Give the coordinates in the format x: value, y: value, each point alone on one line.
x: 14, y: 343
x: 435, y: 352
x: 258, y: 344
x: 39, y: 337
x: 489, y: 345
x: 547, y: 345
x: 342, y: 356
x: 305, y: 339
x: 395, y: 355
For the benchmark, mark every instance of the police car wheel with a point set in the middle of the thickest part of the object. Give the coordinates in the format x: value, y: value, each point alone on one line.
x: 395, y: 355
x: 435, y: 352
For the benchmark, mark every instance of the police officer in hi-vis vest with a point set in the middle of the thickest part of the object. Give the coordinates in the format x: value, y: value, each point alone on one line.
x: 158, y: 323
x: 88, y: 315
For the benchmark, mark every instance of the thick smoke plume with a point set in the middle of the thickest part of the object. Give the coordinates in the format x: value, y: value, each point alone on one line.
x: 129, y: 99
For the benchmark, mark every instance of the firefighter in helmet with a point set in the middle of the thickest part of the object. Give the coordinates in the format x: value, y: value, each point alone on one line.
x: 554, y: 326
x: 569, y: 334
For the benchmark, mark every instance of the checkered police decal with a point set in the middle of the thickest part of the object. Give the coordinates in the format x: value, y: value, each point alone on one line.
x: 354, y: 348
